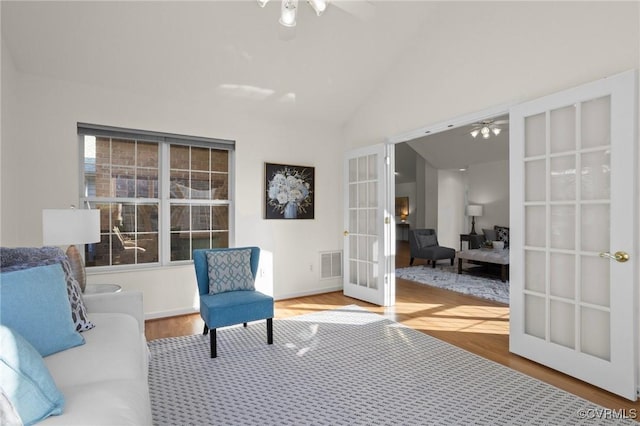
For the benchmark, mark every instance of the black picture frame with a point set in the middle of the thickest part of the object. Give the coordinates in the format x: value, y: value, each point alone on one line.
x: 289, y: 191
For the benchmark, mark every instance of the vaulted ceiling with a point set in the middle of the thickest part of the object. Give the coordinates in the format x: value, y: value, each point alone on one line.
x: 230, y: 52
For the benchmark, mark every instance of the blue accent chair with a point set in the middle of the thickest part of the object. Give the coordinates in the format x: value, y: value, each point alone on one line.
x: 232, y: 307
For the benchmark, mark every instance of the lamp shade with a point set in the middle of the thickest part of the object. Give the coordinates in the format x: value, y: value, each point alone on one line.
x: 70, y: 226
x: 474, y: 210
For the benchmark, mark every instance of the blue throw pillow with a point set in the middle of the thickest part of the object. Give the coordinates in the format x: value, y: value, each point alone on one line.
x: 34, y: 302
x: 15, y: 259
x: 230, y: 270
x: 25, y: 379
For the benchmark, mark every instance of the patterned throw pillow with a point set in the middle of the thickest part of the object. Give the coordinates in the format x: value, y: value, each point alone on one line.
x: 15, y: 259
x: 229, y: 270
x: 503, y: 234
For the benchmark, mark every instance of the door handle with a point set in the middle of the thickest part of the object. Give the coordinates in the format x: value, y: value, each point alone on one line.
x: 346, y: 233
x: 619, y: 256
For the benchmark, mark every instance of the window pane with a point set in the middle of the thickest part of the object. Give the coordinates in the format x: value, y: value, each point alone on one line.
x: 200, y: 218
x: 200, y: 159
x: 179, y: 184
x: 179, y: 156
x: 180, y: 219
x: 123, y: 152
x: 123, y: 179
x: 129, y: 235
x: 200, y: 186
x: 220, y: 186
x: 147, y: 154
x: 219, y: 160
x: 220, y: 218
x: 147, y: 183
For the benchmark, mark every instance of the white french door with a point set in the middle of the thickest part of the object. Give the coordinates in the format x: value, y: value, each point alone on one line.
x: 574, y: 232
x: 369, y: 236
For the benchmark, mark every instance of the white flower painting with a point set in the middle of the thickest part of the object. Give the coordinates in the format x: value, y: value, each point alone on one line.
x: 289, y: 192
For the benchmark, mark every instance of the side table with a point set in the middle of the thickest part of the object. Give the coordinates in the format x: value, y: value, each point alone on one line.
x: 102, y: 288
x: 474, y: 240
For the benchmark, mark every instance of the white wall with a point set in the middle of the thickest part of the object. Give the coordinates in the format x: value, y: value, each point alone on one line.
x: 452, y: 185
x: 40, y: 169
x: 430, y: 196
x: 474, y: 55
x: 488, y: 185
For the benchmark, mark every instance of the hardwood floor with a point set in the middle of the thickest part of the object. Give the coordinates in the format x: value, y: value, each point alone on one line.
x: 474, y: 324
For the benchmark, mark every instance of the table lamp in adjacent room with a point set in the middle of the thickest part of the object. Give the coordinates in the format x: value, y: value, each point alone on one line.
x: 69, y: 227
x: 473, y: 211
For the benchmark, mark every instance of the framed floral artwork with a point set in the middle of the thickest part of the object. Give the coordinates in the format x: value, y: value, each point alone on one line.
x: 289, y: 191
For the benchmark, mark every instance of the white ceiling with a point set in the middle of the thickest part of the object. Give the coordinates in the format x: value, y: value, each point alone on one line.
x: 455, y: 148
x: 451, y: 149
x: 216, y: 51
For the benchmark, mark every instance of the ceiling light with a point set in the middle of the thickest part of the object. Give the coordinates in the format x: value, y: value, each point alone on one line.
x: 290, y: 7
x: 288, y: 13
x: 318, y: 5
x: 485, y: 128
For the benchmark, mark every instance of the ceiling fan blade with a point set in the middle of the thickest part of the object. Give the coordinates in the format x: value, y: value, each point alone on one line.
x: 361, y: 9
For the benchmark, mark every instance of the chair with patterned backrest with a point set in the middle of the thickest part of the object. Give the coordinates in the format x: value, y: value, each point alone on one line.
x: 226, y: 284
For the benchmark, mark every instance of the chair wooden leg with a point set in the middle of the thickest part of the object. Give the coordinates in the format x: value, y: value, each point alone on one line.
x: 270, y: 331
x: 411, y: 261
x: 452, y: 261
x: 245, y: 324
x: 433, y: 263
x: 206, y: 330
x: 214, y: 346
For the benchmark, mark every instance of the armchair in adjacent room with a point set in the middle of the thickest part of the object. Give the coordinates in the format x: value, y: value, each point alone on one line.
x: 423, y: 244
x: 226, y: 284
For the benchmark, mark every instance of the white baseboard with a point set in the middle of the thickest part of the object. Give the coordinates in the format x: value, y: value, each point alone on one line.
x: 187, y: 311
x: 170, y: 313
x: 309, y: 293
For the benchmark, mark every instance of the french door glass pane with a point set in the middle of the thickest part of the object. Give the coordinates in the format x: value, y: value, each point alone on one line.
x: 595, y: 288
x: 563, y: 178
x: 562, y: 318
x: 535, y: 316
x: 563, y: 275
x: 596, y: 122
x: 535, y: 135
x: 535, y: 182
x: 563, y: 129
x: 595, y: 175
x: 596, y: 330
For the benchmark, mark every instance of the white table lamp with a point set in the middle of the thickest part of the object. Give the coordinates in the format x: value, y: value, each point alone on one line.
x: 69, y: 227
x: 473, y: 211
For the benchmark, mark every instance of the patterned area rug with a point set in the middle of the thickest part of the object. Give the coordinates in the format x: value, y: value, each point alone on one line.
x: 475, y: 283
x: 344, y: 367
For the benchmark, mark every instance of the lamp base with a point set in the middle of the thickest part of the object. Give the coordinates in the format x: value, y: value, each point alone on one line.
x: 473, y: 226
x: 77, y: 266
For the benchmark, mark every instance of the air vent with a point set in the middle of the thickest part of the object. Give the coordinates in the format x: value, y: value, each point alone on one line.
x: 330, y: 264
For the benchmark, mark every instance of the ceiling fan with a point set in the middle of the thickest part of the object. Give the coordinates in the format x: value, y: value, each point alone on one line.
x: 289, y: 9
x: 486, y: 127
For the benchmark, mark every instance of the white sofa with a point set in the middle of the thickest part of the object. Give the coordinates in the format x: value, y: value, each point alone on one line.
x: 104, y: 381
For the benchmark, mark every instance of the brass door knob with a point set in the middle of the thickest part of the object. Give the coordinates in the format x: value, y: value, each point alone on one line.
x: 619, y: 256
x: 346, y: 233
